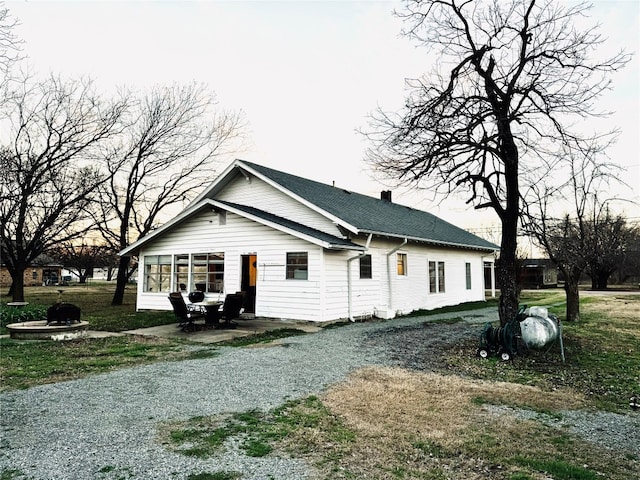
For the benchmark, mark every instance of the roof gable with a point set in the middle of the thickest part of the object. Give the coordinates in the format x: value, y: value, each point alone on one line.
x: 298, y: 230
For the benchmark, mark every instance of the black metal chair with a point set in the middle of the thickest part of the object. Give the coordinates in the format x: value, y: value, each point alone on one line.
x: 230, y: 311
x: 186, y: 314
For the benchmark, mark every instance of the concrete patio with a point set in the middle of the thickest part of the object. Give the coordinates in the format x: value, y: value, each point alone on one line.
x: 245, y: 327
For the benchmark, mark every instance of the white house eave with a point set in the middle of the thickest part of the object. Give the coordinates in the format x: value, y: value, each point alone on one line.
x: 208, y: 203
x: 282, y: 228
x: 432, y: 242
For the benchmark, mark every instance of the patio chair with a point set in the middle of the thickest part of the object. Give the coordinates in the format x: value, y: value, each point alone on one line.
x: 186, y: 314
x: 230, y: 311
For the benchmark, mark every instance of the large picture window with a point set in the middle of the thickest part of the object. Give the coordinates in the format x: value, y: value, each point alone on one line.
x: 297, y: 266
x: 157, y: 273
x: 207, y: 272
x: 436, y: 277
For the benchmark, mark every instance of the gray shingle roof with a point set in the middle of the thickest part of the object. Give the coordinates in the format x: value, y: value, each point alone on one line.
x: 372, y: 215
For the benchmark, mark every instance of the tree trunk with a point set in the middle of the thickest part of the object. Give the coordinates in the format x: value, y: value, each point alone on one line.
x: 121, y: 281
x: 17, y: 283
x: 506, y: 272
x: 573, y: 298
x: 602, y: 281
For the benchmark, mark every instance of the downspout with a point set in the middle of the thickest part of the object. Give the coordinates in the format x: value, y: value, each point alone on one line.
x: 349, y: 260
x: 493, y: 274
x: 389, y: 284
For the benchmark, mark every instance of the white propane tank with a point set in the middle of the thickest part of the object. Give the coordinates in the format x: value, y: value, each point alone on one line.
x: 537, y: 330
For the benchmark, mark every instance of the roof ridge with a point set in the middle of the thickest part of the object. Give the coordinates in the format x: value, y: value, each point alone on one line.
x: 369, y: 214
x: 350, y: 192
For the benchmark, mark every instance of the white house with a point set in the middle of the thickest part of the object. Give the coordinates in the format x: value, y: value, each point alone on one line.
x: 303, y: 250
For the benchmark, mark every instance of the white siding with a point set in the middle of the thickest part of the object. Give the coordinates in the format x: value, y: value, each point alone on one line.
x: 324, y: 295
x: 411, y: 292
x: 275, y: 295
x: 260, y: 195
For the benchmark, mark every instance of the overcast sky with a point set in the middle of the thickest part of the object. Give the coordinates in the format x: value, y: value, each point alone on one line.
x: 305, y: 74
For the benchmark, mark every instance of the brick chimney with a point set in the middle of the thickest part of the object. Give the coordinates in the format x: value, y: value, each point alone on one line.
x: 385, y: 195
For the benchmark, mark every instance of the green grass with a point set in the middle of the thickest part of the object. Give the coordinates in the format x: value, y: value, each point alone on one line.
x: 27, y: 363
x: 266, y: 337
x: 259, y: 433
x: 602, y: 355
x: 553, y: 453
x: 95, y: 305
x: 11, y: 474
x: 462, y: 307
x: 307, y: 429
x: 558, y: 469
x: 23, y: 314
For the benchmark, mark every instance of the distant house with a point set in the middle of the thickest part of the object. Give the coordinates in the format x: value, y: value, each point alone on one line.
x: 42, y: 271
x: 538, y: 273
x: 304, y: 250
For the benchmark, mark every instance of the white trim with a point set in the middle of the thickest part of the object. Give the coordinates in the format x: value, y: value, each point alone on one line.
x: 219, y: 205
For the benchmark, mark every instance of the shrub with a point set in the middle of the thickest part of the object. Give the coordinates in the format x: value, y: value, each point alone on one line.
x: 27, y: 313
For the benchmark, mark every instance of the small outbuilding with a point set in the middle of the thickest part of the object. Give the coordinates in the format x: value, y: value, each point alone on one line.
x: 538, y: 273
x: 303, y: 250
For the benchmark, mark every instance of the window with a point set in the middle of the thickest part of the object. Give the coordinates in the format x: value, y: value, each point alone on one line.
x: 297, y: 266
x: 365, y: 267
x: 441, y: 277
x: 402, y: 264
x: 157, y: 273
x: 207, y: 272
x: 436, y: 277
x: 468, y: 274
x: 181, y: 272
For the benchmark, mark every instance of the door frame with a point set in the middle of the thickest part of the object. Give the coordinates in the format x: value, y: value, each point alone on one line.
x: 249, y: 280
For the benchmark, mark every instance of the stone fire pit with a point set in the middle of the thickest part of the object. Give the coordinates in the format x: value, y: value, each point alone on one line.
x: 39, y: 330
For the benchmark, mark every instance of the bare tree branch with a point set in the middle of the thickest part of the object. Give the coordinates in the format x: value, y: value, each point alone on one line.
x: 511, y: 79
x: 169, y: 150
x: 50, y: 169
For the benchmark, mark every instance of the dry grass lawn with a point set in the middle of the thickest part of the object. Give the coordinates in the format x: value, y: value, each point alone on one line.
x: 418, y: 425
x: 427, y: 425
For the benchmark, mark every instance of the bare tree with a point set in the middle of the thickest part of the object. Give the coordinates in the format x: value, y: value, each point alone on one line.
x: 10, y: 44
x: 167, y: 152
x: 49, y: 175
x: 629, y: 269
x: 510, y: 79
x: 82, y: 258
x: 562, y: 217
x: 608, y: 237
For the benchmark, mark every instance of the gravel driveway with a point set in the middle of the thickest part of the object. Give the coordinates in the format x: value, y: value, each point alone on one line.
x: 104, y: 426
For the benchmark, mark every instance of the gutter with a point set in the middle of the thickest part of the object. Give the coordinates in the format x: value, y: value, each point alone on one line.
x: 389, y: 284
x: 433, y: 242
x: 349, y: 288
